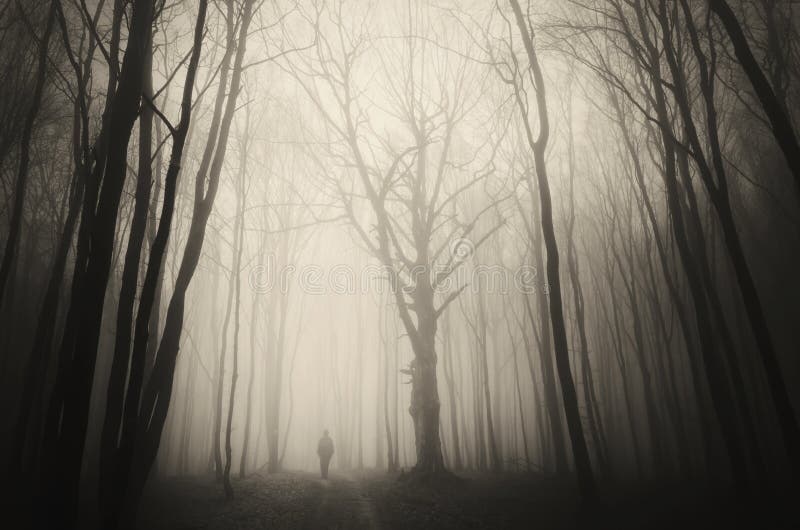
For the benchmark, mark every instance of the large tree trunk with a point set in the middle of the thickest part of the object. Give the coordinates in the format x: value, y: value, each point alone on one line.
x: 88, y: 305
x: 425, y: 405
x: 545, y: 343
x: 130, y: 275
x: 93, y: 176
x: 122, y: 466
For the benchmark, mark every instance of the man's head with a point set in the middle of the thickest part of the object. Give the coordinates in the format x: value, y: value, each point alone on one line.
x: 325, y: 432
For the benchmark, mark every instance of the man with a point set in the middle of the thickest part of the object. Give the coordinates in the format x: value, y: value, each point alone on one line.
x: 325, y: 452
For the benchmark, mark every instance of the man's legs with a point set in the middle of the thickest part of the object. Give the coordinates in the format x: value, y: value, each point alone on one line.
x: 325, y: 462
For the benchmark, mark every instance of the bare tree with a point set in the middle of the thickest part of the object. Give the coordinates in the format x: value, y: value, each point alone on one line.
x: 405, y: 193
x: 21, y: 183
x: 538, y: 146
x: 781, y: 124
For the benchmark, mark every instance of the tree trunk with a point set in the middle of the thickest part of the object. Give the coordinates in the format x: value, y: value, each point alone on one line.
x: 487, y: 395
x: 545, y: 355
x: 653, y: 417
x: 518, y: 392
x: 39, y: 358
x: 590, y: 397
x: 424, y: 408
x: 21, y: 183
x: 275, y: 386
x: 721, y: 201
x: 249, y: 406
x: 220, y: 390
x: 580, y: 452
x: 781, y: 124
x: 675, y: 296
x: 359, y: 389
x: 390, y: 452
x: 451, y: 393
x: 87, y: 307
x: 714, y: 368
x: 380, y: 403
x: 123, y: 467
x: 235, y: 277
x: 115, y: 391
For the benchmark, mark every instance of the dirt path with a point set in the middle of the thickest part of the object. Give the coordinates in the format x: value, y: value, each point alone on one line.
x: 277, y: 501
x: 374, y: 500
x: 344, y: 505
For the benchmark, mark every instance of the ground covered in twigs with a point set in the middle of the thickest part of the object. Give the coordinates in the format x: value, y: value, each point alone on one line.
x: 373, y: 500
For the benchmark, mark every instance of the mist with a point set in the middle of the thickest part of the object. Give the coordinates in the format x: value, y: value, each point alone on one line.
x: 433, y: 264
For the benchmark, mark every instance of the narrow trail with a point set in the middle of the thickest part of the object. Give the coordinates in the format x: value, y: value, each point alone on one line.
x: 344, y: 505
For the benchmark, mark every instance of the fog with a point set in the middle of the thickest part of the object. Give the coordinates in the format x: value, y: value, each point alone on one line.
x: 531, y: 254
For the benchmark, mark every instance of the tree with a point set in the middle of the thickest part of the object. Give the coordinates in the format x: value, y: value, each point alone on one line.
x: 125, y: 491
x: 158, y: 390
x: 781, y: 124
x: 238, y: 228
x: 405, y: 192
x: 538, y: 146
x: 86, y: 306
x: 20, y: 186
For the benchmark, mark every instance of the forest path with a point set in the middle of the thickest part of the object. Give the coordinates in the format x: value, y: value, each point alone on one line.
x: 287, y: 500
x: 345, y: 505
x: 375, y: 500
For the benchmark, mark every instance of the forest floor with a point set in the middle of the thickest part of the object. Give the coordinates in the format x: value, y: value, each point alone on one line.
x: 372, y: 500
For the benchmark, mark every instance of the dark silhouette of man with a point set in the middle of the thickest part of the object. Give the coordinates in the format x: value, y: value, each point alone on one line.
x: 325, y: 452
